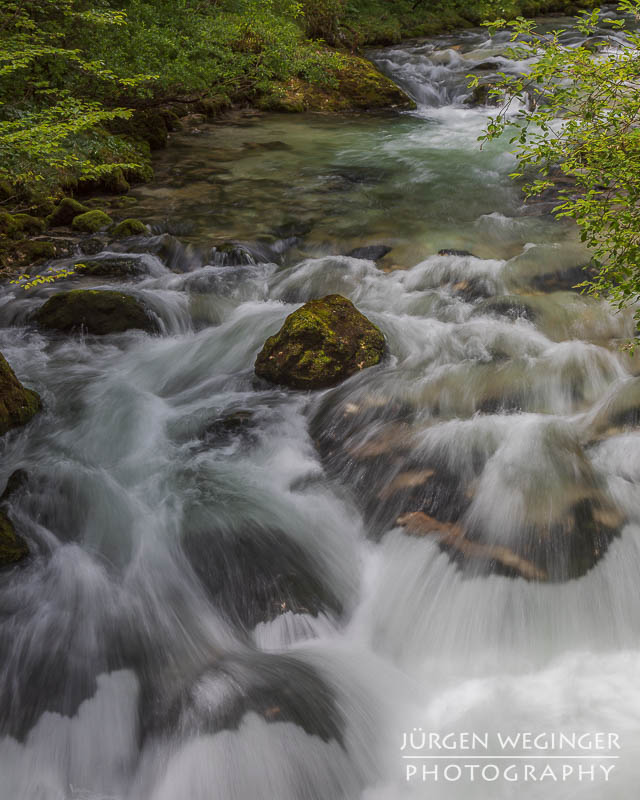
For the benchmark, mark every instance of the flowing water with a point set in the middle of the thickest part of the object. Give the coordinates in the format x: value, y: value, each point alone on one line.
x: 220, y: 604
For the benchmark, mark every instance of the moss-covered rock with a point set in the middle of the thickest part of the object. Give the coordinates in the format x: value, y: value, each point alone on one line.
x: 129, y: 227
x: 34, y: 252
x: 12, y: 547
x: 320, y: 344
x: 16, y: 224
x: 17, y: 404
x: 113, y: 182
x: 91, y: 221
x: 97, y: 312
x: 119, y: 267
x: 8, y: 226
x: 126, y: 201
x: 357, y: 86
x: 66, y: 211
x: 29, y: 224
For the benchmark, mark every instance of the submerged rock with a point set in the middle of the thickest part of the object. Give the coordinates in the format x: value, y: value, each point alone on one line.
x: 17, y: 404
x: 257, y: 574
x: 276, y: 687
x: 320, y: 345
x: 97, y: 312
x: 446, y: 251
x: 539, y: 512
x: 372, y: 252
x: 564, y: 280
x: 511, y: 306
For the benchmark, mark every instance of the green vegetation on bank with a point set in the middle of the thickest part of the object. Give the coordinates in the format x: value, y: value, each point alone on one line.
x: 578, y: 138
x: 88, y: 87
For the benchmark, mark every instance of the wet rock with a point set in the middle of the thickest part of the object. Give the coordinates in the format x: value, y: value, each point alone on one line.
x: 65, y: 212
x: 268, y: 146
x: 539, y: 512
x: 13, y: 548
x: 222, y: 432
x: 621, y: 412
x: 231, y: 254
x: 472, y: 289
x: 372, y: 252
x: 460, y: 253
x: 91, y: 221
x: 129, y: 227
x: 498, y: 558
x: 278, y: 688
x: 92, y: 246
x: 97, y: 312
x: 320, y: 345
x: 113, y: 267
x: 512, y: 306
x: 486, y: 66
x: 17, y: 404
x: 563, y: 280
x: 16, y: 481
x: 256, y: 574
x: 481, y: 95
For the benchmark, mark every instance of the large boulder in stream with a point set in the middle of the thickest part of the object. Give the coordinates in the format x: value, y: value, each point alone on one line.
x: 319, y: 345
x: 17, y: 404
x: 97, y: 311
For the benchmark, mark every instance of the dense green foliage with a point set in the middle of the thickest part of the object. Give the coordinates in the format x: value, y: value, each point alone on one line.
x: 69, y: 68
x: 387, y: 21
x: 578, y: 136
x: 72, y: 71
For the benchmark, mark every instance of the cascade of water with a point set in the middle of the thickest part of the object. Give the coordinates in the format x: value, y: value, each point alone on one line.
x: 220, y: 601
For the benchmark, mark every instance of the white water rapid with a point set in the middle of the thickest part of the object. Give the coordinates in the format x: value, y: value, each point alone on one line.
x: 219, y: 604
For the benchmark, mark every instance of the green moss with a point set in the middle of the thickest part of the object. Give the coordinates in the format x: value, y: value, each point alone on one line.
x: 15, y: 224
x: 129, y: 227
x: 28, y: 224
x: 91, y: 221
x: 7, y: 191
x: 12, y: 547
x: 36, y: 251
x: 17, y: 404
x: 65, y: 212
x: 356, y: 86
x: 113, y: 182
x: 8, y: 226
x: 123, y: 202
x: 319, y: 345
x: 149, y: 126
x: 97, y: 312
